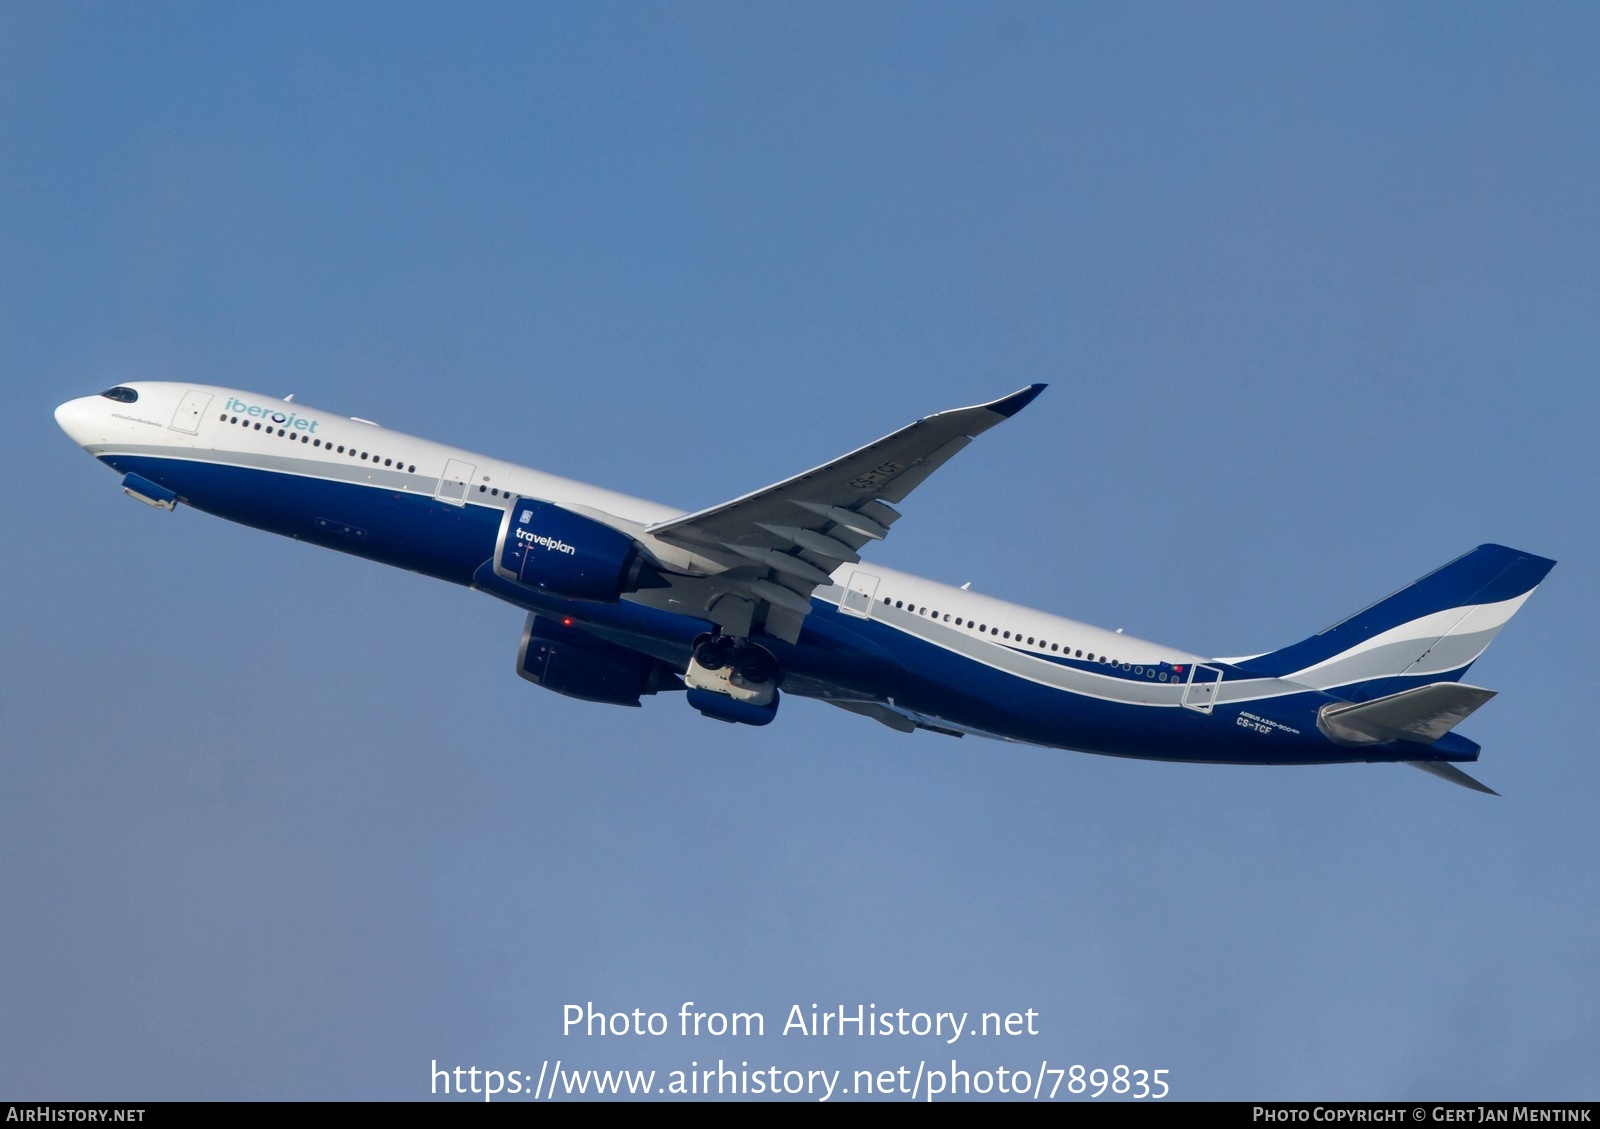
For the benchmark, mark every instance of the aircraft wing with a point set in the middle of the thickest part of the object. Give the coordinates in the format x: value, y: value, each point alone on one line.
x: 782, y: 542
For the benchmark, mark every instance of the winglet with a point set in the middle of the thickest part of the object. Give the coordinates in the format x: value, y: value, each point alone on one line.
x: 1009, y: 406
x: 1444, y: 770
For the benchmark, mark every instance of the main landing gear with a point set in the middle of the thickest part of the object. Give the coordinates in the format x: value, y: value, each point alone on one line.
x: 733, y: 680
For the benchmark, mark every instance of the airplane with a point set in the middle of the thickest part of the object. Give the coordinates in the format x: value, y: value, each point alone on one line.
x: 739, y: 603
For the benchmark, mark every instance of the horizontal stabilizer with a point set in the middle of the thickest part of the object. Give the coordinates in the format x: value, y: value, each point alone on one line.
x: 1422, y: 714
x: 1444, y: 770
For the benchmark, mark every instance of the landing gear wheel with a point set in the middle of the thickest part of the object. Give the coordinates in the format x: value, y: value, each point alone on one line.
x: 755, y: 667
x: 714, y: 653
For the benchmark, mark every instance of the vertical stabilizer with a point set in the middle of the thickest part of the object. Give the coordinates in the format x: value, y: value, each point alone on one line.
x: 1429, y: 631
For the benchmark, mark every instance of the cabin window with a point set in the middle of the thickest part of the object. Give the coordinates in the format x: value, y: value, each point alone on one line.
x: 121, y: 394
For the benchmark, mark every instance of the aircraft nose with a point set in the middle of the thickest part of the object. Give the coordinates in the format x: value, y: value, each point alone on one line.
x: 73, y: 418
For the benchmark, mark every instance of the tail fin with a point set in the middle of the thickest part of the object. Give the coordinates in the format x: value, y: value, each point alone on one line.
x: 1429, y: 631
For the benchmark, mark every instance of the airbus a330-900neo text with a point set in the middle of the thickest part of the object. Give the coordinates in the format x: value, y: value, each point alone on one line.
x: 766, y: 594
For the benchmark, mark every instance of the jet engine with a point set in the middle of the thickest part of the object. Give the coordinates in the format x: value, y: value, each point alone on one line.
x: 565, y: 554
x: 570, y: 661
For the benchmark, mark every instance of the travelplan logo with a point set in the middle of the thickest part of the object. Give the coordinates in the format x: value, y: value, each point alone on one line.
x: 549, y: 544
x: 278, y: 417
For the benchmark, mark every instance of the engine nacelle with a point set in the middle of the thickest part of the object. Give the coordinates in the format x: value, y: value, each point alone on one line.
x: 573, y: 662
x: 565, y: 554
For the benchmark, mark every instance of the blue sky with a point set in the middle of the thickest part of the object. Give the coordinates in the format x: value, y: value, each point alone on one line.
x: 1315, y: 292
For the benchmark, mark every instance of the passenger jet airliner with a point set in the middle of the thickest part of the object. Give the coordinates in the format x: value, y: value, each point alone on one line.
x: 769, y: 592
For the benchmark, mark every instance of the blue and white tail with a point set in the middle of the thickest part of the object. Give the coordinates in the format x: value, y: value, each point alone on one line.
x: 1430, y: 631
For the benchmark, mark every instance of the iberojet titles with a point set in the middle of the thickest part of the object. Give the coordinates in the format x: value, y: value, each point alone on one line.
x: 279, y: 417
x: 290, y: 421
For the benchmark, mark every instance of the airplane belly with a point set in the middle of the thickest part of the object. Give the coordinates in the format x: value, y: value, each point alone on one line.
x: 964, y: 692
x: 410, y: 530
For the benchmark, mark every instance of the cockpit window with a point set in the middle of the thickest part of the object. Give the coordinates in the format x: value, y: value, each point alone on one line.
x: 121, y: 394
